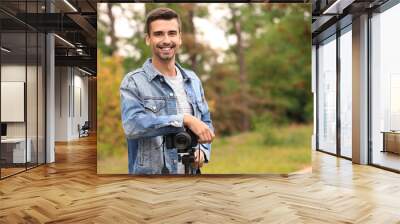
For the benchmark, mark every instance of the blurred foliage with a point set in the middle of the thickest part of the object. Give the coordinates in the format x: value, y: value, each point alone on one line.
x: 110, y: 135
x: 286, y: 65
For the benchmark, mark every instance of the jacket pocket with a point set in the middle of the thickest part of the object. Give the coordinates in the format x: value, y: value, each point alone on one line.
x: 154, y: 106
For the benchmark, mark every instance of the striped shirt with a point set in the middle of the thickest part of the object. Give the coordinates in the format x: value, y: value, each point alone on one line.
x: 176, y: 83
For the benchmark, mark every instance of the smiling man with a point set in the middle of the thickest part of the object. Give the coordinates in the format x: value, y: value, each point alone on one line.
x: 162, y: 98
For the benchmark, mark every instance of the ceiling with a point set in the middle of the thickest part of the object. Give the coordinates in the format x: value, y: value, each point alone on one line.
x: 74, y: 22
x: 330, y: 15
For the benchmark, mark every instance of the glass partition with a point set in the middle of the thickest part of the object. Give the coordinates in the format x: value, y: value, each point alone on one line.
x: 385, y: 89
x: 346, y: 92
x: 13, y: 109
x: 327, y: 95
x: 22, y: 89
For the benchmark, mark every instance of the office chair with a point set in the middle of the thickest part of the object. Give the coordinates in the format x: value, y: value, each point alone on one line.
x: 84, y: 130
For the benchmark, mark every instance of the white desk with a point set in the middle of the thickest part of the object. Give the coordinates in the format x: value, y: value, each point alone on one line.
x: 18, y: 149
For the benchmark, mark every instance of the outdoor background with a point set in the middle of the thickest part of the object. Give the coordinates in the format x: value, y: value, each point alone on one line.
x: 255, y: 64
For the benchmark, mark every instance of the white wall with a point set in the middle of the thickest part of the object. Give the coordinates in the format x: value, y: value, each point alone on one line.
x: 61, y: 103
x: 16, y: 73
x: 12, y: 100
x: 71, y: 93
x: 13, y: 73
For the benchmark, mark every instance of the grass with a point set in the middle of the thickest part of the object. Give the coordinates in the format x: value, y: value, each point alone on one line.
x: 269, y: 150
x: 278, y: 150
x: 113, y: 165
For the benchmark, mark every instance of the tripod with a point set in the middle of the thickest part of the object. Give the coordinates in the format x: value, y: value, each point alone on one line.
x: 188, y: 160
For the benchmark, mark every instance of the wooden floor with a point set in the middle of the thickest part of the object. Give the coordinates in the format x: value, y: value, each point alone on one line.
x: 387, y: 159
x: 11, y: 170
x: 69, y: 191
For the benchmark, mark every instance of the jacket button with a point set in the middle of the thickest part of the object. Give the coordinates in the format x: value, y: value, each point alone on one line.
x: 154, y: 107
x: 171, y: 94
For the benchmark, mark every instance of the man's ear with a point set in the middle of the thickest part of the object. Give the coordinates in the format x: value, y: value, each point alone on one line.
x: 180, y: 38
x: 147, y: 40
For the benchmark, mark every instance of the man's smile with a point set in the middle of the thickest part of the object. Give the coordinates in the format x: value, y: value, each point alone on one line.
x: 166, y: 49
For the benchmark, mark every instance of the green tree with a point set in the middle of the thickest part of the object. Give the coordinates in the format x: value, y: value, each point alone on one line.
x: 284, y: 49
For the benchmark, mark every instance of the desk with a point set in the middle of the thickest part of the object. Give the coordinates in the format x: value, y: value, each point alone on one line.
x: 13, y: 150
x: 391, y: 141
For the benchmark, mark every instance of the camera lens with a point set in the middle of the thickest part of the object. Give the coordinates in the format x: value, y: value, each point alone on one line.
x: 182, y: 140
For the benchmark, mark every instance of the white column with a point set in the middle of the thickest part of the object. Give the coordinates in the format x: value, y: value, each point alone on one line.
x: 360, y: 90
x: 50, y: 92
x: 50, y: 110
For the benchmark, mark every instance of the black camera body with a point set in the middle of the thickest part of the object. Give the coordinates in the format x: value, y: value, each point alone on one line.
x: 183, y: 141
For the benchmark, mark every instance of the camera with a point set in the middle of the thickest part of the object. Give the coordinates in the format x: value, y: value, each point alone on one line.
x: 183, y: 141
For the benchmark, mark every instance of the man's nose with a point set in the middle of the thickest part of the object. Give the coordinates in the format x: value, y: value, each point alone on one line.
x: 166, y: 39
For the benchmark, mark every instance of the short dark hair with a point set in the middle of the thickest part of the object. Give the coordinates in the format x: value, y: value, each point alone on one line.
x: 161, y: 13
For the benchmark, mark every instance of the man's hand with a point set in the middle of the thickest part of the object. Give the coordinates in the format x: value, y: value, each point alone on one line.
x: 199, y: 158
x: 199, y: 128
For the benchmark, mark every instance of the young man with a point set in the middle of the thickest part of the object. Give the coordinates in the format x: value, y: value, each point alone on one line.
x: 162, y: 98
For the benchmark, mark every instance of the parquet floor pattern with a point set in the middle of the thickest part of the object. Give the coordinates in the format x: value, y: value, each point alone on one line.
x: 70, y: 191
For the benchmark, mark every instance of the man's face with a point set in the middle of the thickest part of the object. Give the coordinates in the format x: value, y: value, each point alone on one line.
x: 164, y: 39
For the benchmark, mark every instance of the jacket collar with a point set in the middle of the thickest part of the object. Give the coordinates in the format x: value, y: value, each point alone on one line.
x: 151, y: 72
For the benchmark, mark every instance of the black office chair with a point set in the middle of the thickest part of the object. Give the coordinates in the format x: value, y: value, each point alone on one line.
x: 84, y: 130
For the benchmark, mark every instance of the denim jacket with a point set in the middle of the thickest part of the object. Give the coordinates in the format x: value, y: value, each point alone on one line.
x: 148, y: 109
